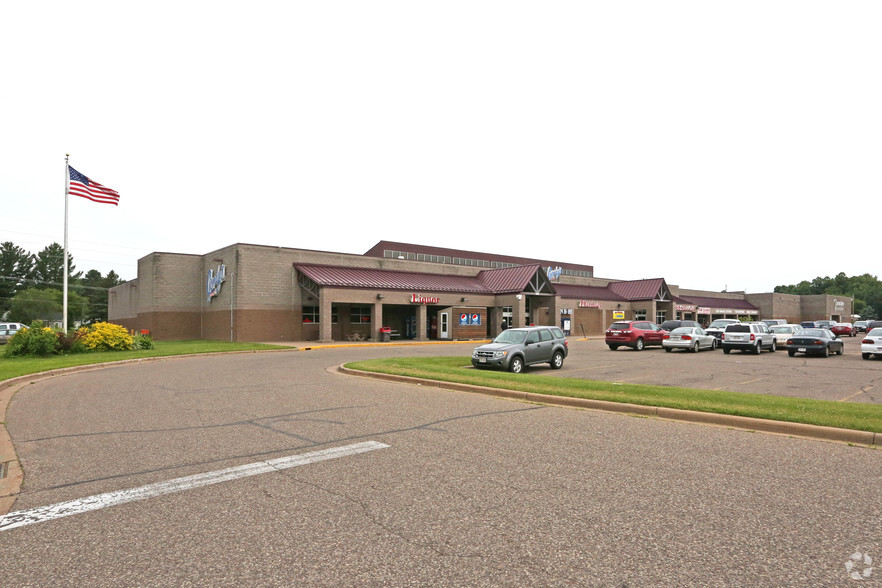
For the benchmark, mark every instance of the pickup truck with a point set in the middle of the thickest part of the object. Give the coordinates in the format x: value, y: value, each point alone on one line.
x: 749, y: 337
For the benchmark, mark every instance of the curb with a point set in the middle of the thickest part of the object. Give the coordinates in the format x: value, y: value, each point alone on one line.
x: 863, y: 438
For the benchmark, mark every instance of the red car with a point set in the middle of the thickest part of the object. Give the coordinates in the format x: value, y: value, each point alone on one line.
x: 843, y: 330
x: 634, y: 334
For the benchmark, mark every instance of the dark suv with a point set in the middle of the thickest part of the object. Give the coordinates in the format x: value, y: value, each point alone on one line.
x: 515, y: 349
x: 634, y: 334
x: 672, y: 324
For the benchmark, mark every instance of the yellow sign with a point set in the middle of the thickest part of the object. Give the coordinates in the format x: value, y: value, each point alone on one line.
x: 618, y: 315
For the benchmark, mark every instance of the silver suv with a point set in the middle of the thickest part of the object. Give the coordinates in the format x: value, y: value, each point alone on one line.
x: 514, y: 349
x: 749, y: 337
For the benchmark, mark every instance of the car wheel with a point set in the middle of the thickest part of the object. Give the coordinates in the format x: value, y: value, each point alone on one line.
x: 668, y: 349
x: 613, y: 347
x: 726, y: 350
x: 826, y: 352
x: 517, y: 365
x: 774, y: 346
x: 639, y: 345
x: 791, y: 352
x: 841, y: 350
x: 759, y: 348
x: 714, y: 345
x: 866, y: 355
x: 557, y: 360
x: 695, y: 347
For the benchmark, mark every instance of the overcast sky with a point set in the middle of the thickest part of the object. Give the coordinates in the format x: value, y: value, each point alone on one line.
x: 624, y: 135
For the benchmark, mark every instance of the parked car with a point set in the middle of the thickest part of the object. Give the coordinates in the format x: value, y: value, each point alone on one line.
x: 676, y: 324
x: 752, y: 337
x: 633, y: 334
x: 514, y: 349
x: 784, y: 332
x: 873, y: 325
x: 717, y: 327
x: 871, y: 344
x: 860, y: 326
x: 815, y: 342
x: 808, y: 325
x: 11, y: 326
x: 691, y: 338
x: 6, y: 335
x: 774, y: 322
x: 824, y: 324
x: 843, y: 330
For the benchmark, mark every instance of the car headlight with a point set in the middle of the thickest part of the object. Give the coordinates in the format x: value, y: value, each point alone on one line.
x: 500, y: 354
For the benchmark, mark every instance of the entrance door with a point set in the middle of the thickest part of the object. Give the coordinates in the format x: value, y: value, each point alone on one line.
x: 444, y: 326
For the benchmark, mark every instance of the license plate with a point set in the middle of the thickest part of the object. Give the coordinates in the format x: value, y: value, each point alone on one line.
x: 802, y: 349
x: 482, y: 360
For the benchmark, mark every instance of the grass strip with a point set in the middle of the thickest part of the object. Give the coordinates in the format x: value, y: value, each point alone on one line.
x: 845, y: 415
x: 12, y: 367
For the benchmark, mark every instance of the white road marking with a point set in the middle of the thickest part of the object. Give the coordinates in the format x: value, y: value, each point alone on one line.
x: 98, y: 501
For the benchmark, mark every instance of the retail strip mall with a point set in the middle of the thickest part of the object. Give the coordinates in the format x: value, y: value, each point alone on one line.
x: 404, y: 291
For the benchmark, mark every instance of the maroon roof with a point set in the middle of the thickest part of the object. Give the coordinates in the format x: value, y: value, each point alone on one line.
x: 587, y: 292
x: 733, y: 303
x: 509, y: 279
x: 638, y: 289
x: 378, y: 249
x: 350, y: 277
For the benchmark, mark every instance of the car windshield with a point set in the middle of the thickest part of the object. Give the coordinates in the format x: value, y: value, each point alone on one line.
x: 681, y: 331
x: 720, y: 324
x: 814, y: 333
x: 781, y: 329
x: 511, y: 336
x: 620, y: 326
x: 875, y: 333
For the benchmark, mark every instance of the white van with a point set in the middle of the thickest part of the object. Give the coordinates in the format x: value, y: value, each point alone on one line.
x: 11, y: 326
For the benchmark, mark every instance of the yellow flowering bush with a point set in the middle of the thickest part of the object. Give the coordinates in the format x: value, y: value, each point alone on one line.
x: 106, y: 337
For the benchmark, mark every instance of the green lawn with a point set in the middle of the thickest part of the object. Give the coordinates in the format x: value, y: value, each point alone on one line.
x: 11, y: 367
x: 846, y: 415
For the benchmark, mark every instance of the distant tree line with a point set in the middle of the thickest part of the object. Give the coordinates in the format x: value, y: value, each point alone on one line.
x: 865, y: 289
x: 32, y: 287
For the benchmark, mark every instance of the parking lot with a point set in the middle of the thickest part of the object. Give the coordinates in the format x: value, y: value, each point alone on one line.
x: 845, y: 378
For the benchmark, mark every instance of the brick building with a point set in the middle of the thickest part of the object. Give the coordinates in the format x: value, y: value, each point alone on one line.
x: 262, y: 293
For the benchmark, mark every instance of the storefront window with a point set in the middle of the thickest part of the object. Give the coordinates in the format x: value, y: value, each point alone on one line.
x: 360, y: 314
x: 660, y: 316
x: 310, y: 314
x: 640, y: 314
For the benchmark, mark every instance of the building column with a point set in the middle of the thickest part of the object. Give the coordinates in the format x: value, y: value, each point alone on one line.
x: 422, y: 325
x: 518, y: 310
x: 325, y: 318
x: 376, y: 319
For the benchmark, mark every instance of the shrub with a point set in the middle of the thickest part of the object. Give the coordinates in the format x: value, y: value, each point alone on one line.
x: 142, y: 342
x: 107, y: 337
x: 35, y: 339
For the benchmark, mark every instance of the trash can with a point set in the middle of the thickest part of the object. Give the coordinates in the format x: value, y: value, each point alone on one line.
x: 385, y: 334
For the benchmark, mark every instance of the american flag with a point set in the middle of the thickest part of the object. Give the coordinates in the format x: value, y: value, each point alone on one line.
x: 80, y: 185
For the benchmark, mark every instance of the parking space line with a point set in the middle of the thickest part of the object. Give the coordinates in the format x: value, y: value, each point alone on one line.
x: 99, y: 501
x: 847, y: 398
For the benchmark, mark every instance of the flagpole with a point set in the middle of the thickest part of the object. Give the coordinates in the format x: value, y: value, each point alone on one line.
x: 66, y: 199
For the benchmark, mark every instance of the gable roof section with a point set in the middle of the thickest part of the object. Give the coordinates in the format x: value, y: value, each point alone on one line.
x: 349, y: 277
x: 641, y: 289
x: 510, y: 279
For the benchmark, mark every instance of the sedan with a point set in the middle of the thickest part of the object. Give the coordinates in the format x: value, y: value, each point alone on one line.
x: 691, y: 338
x: 784, y: 332
x: 843, y: 329
x: 872, y: 344
x: 815, y: 342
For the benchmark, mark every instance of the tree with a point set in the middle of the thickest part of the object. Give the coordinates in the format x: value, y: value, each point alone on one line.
x: 48, y: 267
x: 46, y: 304
x: 94, y: 289
x: 16, y: 265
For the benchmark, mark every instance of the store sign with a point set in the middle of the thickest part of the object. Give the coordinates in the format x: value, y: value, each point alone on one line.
x: 838, y: 305
x: 586, y: 304
x: 734, y: 311
x: 420, y: 299
x: 215, y: 279
x: 704, y: 310
x: 554, y: 273
x: 618, y: 315
x: 469, y: 319
x: 685, y: 307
